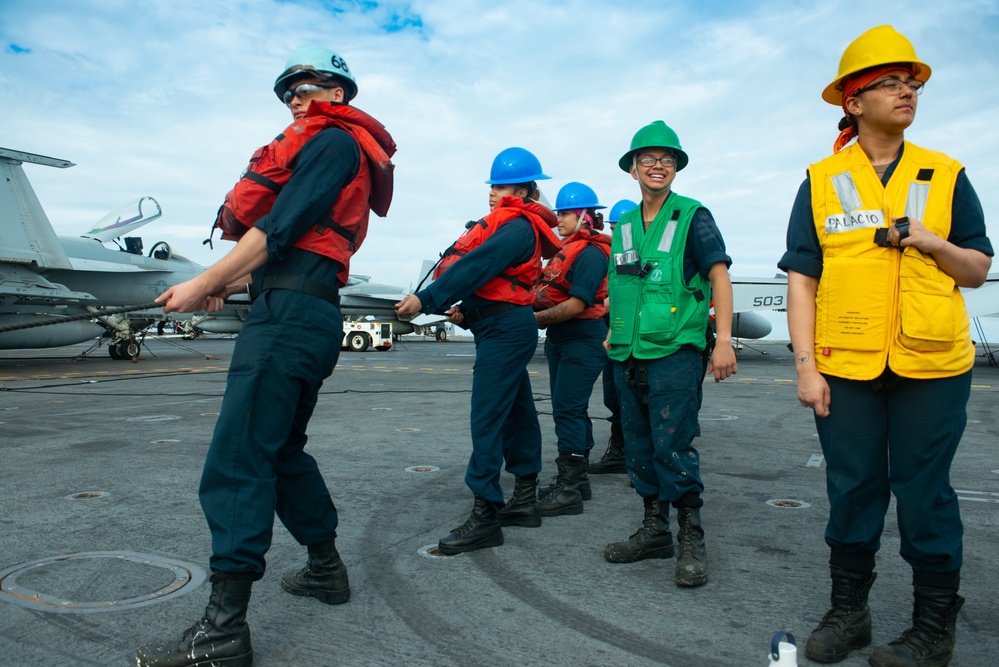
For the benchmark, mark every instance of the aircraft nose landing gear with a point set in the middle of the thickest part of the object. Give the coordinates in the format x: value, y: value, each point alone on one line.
x: 124, y: 349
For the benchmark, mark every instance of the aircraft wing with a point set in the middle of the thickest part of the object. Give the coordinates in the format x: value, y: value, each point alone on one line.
x: 425, y: 320
x: 25, y: 286
x: 983, y: 301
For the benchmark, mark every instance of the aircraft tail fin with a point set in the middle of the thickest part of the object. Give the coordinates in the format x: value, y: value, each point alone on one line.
x: 26, y: 233
x: 426, y: 274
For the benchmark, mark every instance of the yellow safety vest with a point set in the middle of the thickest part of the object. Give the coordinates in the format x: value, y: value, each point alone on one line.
x: 879, y: 306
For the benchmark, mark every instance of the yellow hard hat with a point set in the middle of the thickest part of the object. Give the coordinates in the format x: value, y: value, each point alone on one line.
x: 878, y: 46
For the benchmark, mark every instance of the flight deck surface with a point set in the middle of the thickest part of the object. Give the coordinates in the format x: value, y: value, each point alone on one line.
x: 104, y: 547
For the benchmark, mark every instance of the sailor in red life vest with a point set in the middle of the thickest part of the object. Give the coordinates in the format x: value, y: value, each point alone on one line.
x: 570, y: 303
x: 299, y: 212
x: 491, y: 270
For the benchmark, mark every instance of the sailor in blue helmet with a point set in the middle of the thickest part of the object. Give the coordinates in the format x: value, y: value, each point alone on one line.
x: 613, y: 459
x: 299, y: 213
x: 570, y: 303
x: 491, y: 270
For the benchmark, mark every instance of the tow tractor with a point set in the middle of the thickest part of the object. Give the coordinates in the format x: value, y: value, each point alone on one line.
x: 359, y: 336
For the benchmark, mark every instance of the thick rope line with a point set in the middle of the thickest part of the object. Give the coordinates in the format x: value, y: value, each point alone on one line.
x: 82, y: 316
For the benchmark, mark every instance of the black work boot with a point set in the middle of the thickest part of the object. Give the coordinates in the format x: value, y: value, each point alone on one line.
x: 930, y: 640
x: 522, y: 508
x: 221, y: 637
x: 613, y: 459
x: 324, y: 576
x: 847, y: 625
x: 692, y: 559
x: 563, y: 495
x: 585, y: 491
x: 652, y: 540
x: 481, y: 530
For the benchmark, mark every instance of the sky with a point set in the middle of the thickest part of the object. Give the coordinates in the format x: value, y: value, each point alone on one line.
x: 170, y: 99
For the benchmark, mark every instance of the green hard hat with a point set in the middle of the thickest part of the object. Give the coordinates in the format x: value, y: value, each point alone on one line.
x: 656, y: 134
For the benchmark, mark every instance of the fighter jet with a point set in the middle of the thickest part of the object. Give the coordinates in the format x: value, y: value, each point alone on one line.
x: 360, y: 300
x: 58, y: 290
x: 751, y: 295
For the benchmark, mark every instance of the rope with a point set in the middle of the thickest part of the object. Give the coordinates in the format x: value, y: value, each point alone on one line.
x: 82, y: 316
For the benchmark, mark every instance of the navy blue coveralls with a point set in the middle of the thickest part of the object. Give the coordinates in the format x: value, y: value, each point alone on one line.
x: 504, y: 420
x: 611, y: 400
x: 257, y: 465
x: 658, y: 442
x: 576, y: 356
x: 894, y: 434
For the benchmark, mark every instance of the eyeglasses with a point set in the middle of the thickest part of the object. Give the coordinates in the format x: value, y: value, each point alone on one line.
x: 894, y: 87
x: 648, y: 161
x: 304, y: 91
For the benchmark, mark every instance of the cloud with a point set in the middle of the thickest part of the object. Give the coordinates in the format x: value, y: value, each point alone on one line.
x: 170, y: 100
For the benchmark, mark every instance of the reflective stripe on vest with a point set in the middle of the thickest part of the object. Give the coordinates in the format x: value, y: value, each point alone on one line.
x: 877, y: 306
x: 653, y: 312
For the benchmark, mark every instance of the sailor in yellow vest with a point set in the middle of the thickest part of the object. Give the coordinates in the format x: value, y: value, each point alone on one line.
x: 881, y: 236
x: 667, y: 261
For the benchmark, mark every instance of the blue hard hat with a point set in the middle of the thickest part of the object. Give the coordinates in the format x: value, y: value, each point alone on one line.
x: 515, y: 165
x: 320, y: 62
x: 620, y: 208
x: 576, y: 195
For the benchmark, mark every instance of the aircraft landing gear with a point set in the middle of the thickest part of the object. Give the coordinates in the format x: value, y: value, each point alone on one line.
x: 441, y: 335
x: 124, y: 349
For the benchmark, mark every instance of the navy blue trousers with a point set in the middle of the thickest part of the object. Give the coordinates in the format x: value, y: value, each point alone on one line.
x: 611, y: 400
x: 504, y: 419
x: 574, y: 364
x: 897, y: 440
x: 256, y: 464
x: 659, y: 452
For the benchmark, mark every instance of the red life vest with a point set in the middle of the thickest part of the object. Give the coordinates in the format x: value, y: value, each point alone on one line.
x: 270, y: 169
x: 553, y: 288
x: 514, y: 284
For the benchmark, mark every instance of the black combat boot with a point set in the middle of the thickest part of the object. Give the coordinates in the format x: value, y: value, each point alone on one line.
x: 563, y: 495
x: 613, y: 459
x: 585, y: 491
x: 847, y: 625
x: 652, y: 540
x: 324, y: 576
x: 482, y: 530
x: 221, y: 638
x: 930, y: 640
x: 692, y: 559
x: 522, y: 508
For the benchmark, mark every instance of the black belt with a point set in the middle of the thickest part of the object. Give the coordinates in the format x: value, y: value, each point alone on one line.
x: 478, y: 314
x: 297, y: 284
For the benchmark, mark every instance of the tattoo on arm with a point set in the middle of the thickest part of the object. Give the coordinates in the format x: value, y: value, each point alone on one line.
x: 553, y: 315
x: 802, y: 357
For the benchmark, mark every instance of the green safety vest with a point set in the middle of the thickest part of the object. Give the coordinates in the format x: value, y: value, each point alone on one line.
x: 652, y: 312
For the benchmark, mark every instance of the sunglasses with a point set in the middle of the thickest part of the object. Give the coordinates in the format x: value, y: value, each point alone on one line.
x: 304, y: 91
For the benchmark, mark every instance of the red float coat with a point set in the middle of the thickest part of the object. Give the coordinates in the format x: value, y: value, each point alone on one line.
x: 270, y: 168
x: 553, y: 288
x: 514, y: 284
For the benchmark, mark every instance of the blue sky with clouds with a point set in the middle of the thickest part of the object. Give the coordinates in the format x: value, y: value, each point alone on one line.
x: 169, y: 99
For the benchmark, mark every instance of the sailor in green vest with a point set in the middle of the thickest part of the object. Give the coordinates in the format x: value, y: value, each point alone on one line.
x: 668, y: 261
